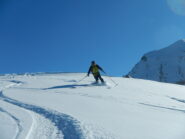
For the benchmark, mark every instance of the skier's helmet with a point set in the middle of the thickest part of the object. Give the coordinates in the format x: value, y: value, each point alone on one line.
x: 92, y: 62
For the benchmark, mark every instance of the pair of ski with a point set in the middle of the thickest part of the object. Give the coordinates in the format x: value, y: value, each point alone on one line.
x: 103, y: 84
x: 96, y: 83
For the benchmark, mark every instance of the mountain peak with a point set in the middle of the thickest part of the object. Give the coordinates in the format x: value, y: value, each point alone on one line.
x: 179, y: 43
x: 165, y: 65
x: 177, y: 46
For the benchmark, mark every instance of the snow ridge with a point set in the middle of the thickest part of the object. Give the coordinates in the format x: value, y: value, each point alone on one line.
x: 67, y: 125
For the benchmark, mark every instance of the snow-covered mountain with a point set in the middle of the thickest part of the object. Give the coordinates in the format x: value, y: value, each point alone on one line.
x: 165, y: 65
x: 57, y: 106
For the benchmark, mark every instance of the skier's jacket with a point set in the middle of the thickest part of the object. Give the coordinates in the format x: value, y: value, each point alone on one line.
x: 94, y: 69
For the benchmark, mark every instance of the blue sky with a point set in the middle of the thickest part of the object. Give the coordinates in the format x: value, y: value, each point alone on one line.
x: 66, y: 35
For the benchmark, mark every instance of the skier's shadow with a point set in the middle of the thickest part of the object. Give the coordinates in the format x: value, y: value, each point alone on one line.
x: 72, y: 86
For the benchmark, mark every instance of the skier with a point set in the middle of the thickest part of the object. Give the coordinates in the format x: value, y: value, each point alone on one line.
x: 94, y: 68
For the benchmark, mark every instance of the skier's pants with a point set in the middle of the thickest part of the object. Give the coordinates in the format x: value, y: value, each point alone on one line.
x: 97, y: 76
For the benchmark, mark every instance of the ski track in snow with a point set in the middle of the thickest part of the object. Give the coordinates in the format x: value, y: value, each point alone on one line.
x: 179, y: 100
x: 17, y: 82
x: 162, y: 107
x: 17, y: 121
x: 67, y: 126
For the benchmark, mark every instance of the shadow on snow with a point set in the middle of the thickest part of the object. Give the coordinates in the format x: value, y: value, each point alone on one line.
x: 72, y: 86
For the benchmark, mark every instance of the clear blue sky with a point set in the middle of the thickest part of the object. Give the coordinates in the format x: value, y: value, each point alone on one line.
x: 65, y: 35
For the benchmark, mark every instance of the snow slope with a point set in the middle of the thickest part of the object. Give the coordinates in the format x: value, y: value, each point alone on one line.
x: 56, y: 106
x: 165, y: 65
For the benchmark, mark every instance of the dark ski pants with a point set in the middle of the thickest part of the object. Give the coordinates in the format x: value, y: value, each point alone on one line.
x: 97, y: 76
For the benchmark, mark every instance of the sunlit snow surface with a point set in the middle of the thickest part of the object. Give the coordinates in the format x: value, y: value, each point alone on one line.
x: 54, y: 106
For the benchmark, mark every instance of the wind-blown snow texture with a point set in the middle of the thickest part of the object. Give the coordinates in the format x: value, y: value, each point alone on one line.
x: 56, y: 106
x: 165, y: 65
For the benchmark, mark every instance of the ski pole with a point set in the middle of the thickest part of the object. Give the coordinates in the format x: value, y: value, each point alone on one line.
x: 81, y: 79
x: 110, y: 78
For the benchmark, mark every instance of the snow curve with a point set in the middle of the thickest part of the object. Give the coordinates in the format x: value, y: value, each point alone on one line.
x: 17, y: 121
x: 67, y: 125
